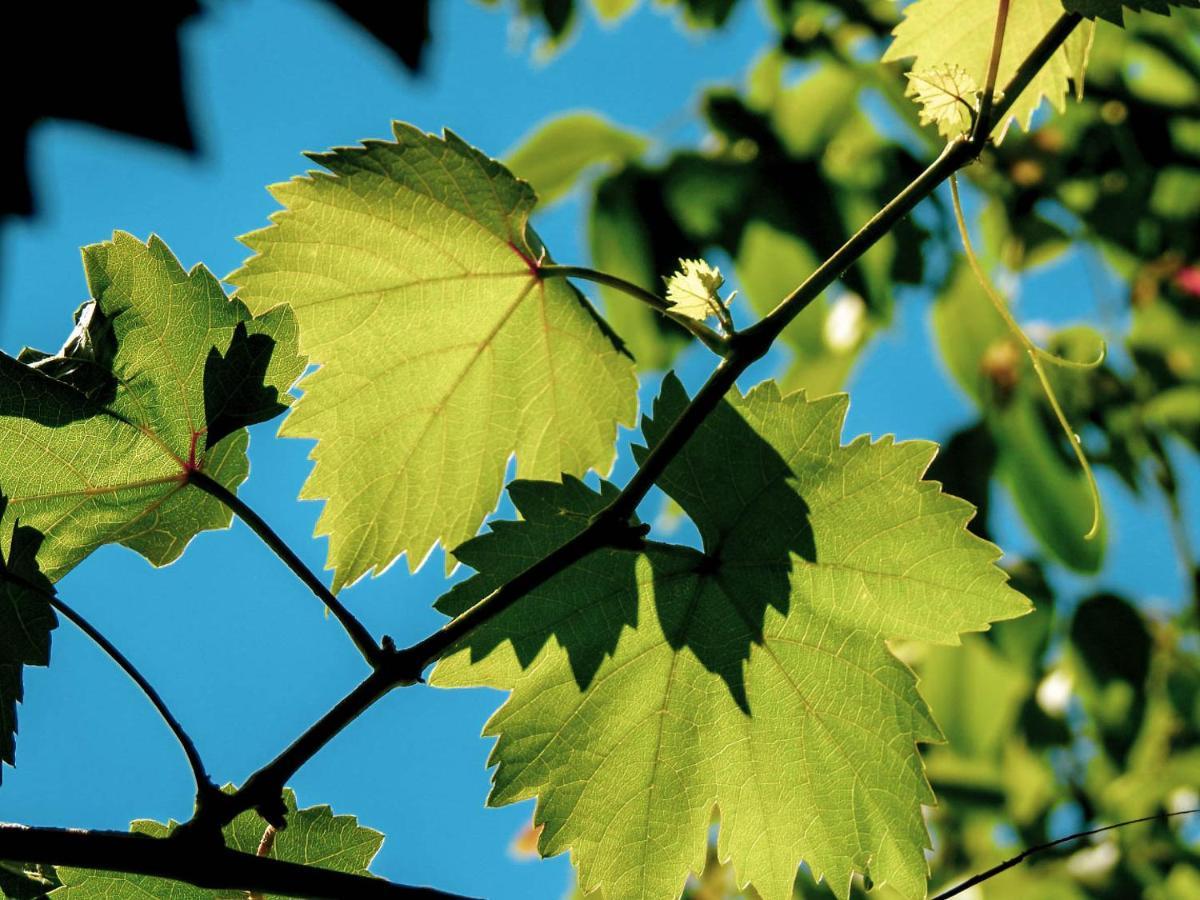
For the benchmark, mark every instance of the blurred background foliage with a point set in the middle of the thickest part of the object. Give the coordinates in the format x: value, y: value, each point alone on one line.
x: 1088, y: 711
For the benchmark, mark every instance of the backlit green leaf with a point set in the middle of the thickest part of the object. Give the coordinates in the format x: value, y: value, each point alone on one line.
x: 694, y: 289
x: 411, y: 270
x: 160, y: 377
x: 948, y: 96
x: 650, y: 687
x: 958, y: 33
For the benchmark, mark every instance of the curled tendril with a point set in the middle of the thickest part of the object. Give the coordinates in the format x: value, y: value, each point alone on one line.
x: 1064, y: 363
x: 1036, y: 356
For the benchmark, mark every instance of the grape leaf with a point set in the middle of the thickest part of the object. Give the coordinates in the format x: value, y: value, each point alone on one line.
x: 558, y: 17
x: 942, y: 34
x: 26, y: 620
x: 555, y: 155
x: 1114, y: 10
x: 159, y: 378
x: 410, y: 269
x: 693, y: 290
x: 948, y: 97
x: 314, y: 837
x: 649, y: 687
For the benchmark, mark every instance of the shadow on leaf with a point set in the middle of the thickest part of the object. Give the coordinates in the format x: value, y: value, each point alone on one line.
x: 712, y: 603
x: 26, y: 619
x: 236, y: 392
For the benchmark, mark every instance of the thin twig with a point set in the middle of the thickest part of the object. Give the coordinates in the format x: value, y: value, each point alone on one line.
x: 1025, y: 854
x: 611, y: 526
x: 205, y: 789
x: 984, y: 119
x: 711, y: 339
x: 354, y: 628
x: 215, y: 868
x: 262, y: 789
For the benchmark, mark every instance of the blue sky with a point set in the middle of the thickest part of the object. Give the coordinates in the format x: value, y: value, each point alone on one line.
x: 239, y: 649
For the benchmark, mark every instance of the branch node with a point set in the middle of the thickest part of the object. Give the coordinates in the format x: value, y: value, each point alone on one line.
x: 975, y: 143
x: 208, y: 795
x: 749, y: 345
x: 405, y: 668
x: 273, y: 812
x: 615, y: 528
x: 629, y: 536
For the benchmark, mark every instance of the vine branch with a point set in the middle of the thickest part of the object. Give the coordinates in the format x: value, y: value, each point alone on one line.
x: 354, y: 628
x: 262, y: 790
x: 218, y: 868
x: 611, y: 527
